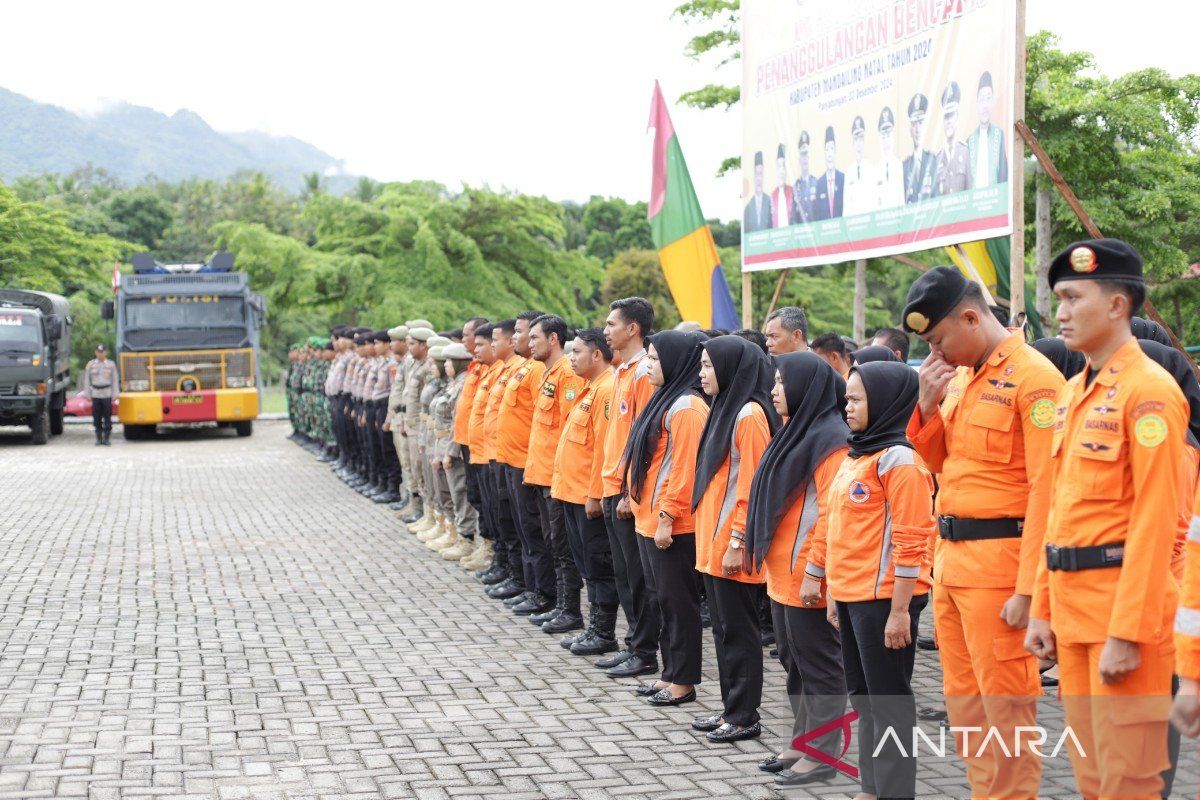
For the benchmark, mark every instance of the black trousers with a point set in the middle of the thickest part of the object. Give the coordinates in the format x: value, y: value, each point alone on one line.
x: 337, y: 418
x: 672, y: 579
x: 370, y: 445
x: 535, y: 555
x: 472, y: 479
x: 733, y: 607
x: 879, y: 680
x: 554, y: 532
x: 477, y: 495
x: 811, y: 651
x: 506, y: 525
x: 388, y: 459
x: 588, y: 540
x: 102, y: 414
x: 639, y: 605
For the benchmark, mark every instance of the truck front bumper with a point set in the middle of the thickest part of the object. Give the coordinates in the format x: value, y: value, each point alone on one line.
x: 214, y: 405
x: 14, y: 407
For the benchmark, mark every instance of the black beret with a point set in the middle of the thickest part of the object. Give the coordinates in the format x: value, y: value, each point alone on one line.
x: 1095, y: 259
x: 360, y: 339
x: 931, y: 297
x: 382, y: 335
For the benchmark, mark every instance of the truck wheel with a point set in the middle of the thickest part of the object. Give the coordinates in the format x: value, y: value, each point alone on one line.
x: 40, y: 425
x: 244, y: 428
x: 56, y: 416
x: 136, y: 432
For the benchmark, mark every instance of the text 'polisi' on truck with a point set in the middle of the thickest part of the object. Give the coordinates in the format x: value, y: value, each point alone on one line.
x: 187, y: 345
x: 35, y: 360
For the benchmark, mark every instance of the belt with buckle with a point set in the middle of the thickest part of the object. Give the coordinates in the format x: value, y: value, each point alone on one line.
x: 957, y: 529
x: 1074, y: 559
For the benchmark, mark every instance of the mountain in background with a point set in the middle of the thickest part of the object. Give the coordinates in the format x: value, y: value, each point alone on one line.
x: 132, y: 142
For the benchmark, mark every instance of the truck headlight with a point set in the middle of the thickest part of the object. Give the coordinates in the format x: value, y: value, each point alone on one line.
x: 30, y: 389
x: 234, y: 382
x: 137, y: 386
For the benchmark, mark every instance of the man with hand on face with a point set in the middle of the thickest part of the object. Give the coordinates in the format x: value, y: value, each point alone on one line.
x: 1104, y: 599
x: 983, y: 424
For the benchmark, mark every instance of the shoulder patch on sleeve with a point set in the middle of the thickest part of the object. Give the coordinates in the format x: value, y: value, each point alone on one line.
x: 1041, y: 414
x: 898, y: 456
x: 1150, y: 430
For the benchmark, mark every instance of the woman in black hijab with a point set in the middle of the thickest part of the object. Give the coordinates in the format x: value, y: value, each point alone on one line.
x: 660, y: 468
x: 873, y: 352
x: 736, y: 375
x: 1069, y: 362
x: 1149, y: 329
x: 788, y: 503
x: 875, y: 557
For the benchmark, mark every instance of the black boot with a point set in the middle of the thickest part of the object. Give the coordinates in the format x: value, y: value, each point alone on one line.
x: 99, y: 438
x: 571, y: 638
x: 107, y: 434
x: 546, y: 616
x: 569, y: 619
x: 603, y: 635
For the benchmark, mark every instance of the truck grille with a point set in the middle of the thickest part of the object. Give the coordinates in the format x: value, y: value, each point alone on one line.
x: 211, y: 369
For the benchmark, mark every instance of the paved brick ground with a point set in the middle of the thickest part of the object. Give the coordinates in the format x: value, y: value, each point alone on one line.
x: 203, y: 616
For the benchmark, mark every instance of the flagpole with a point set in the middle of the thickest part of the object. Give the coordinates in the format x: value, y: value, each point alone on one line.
x: 1016, y: 261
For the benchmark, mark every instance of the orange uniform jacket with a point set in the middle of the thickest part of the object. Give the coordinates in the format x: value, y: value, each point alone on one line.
x: 672, y: 471
x: 1187, y: 493
x: 631, y: 392
x: 580, y: 457
x: 462, y: 412
x: 491, y: 414
x: 476, y: 429
x: 804, y: 521
x: 1187, y: 617
x: 989, y: 445
x: 560, y: 390
x: 722, y: 508
x: 1118, y: 445
x: 516, y: 412
x: 880, y: 527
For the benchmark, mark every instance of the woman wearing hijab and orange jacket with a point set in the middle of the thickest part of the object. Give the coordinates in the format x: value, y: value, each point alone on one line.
x: 789, y: 508
x: 660, y: 468
x: 875, y: 558
x: 737, y: 377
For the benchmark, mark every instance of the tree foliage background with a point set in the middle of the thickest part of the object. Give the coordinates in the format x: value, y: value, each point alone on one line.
x: 383, y: 253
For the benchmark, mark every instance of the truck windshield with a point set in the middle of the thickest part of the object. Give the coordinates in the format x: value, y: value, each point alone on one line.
x: 185, y: 311
x: 20, y: 332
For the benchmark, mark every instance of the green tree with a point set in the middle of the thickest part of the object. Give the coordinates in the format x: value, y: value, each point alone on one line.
x: 140, y: 216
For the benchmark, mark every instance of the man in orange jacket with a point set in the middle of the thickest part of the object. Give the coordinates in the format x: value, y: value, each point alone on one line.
x: 461, y: 437
x: 559, y: 389
x: 1104, y: 599
x: 983, y: 426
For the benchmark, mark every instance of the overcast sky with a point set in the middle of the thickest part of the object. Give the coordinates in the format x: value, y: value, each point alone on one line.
x: 545, y: 96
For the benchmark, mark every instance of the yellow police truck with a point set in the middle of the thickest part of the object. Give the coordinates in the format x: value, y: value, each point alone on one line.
x: 187, y: 345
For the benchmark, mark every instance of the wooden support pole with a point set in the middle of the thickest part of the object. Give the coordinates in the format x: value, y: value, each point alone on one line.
x: 1016, y: 261
x: 747, y: 300
x: 1064, y: 189
x: 860, y: 300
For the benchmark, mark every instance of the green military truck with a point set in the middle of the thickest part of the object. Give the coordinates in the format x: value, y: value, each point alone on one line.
x: 35, y: 360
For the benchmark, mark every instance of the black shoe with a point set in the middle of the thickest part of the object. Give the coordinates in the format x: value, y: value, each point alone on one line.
x: 633, y: 666
x: 568, y: 641
x: 493, y: 576
x: 789, y: 777
x: 774, y: 652
x: 768, y: 638
x: 590, y: 643
x: 387, y: 497
x: 776, y: 764
x: 706, y: 723
x: 728, y: 734
x: 664, y: 698
x: 535, y: 603
x: 647, y: 689
x: 562, y: 622
x: 516, y: 599
x: 411, y: 518
x: 619, y: 657
x: 1049, y: 680
x: 705, y: 615
x: 926, y: 643
x: 543, y: 617
x: 506, y: 589
x: 932, y: 714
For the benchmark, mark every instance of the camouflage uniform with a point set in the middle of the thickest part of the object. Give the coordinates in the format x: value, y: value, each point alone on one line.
x: 441, y: 409
x: 418, y: 374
